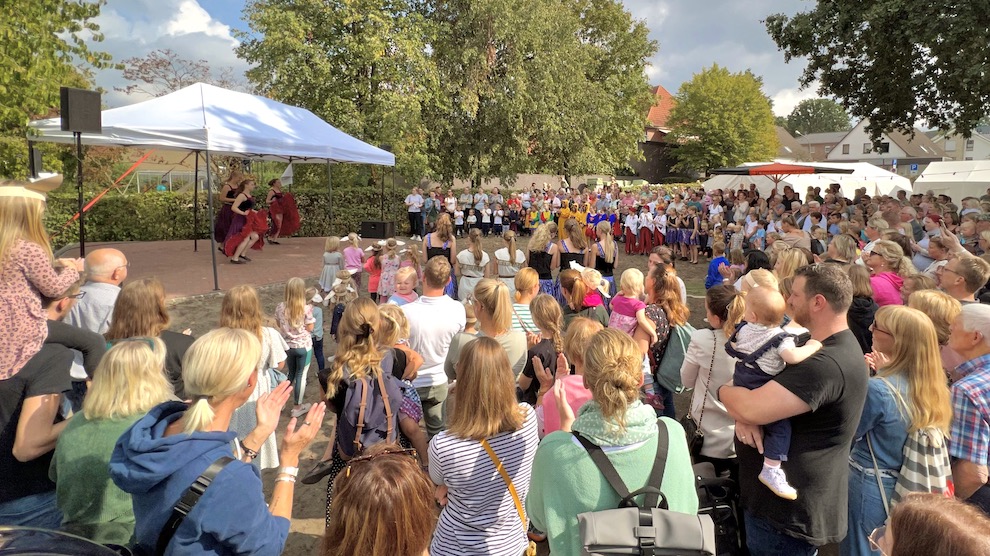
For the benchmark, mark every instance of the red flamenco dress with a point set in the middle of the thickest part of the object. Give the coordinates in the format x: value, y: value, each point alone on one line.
x: 284, y: 204
x: 241, y: 227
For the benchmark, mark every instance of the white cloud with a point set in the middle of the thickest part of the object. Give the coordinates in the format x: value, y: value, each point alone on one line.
x: 134, y: 28
x: 785, y: 100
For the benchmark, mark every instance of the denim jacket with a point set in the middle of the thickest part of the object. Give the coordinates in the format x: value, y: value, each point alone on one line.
x: 886, y: 423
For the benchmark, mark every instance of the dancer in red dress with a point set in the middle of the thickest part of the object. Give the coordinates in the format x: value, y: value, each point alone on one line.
x: 246, y: 226
x: 227, y: 194
x: 284, y: 213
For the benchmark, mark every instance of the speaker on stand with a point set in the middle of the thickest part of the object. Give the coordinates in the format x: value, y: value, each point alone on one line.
x: 80, y: 113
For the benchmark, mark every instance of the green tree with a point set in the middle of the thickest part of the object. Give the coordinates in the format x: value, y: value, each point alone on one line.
x: 722, y: 119
x: 540, y: 85
x: 363, y: 66
x: 42, y: 43
x: 894, y: 62
x: 817, y: 115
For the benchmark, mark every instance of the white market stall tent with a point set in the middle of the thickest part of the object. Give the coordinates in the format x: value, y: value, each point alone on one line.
x: 877, y: 181
x: 216, y: 121
x: 957, y: 179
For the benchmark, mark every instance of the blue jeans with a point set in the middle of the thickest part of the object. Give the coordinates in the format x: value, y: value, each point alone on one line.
x: 866, y: 511
x: 763, y: 539
x: 321, y: 362
x: 668, y: 400
x: 36, y: 510
x: 295, y: 368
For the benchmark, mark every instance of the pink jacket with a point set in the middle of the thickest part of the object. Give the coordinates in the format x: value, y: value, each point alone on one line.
x: 887, y: 288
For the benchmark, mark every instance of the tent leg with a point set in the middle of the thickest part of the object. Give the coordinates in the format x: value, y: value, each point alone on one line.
x: 213, y: 241
x: 330, y: 196
x: 196, y: 204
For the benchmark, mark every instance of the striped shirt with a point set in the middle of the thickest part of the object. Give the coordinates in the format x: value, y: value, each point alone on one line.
x: 522, y: 318
x: 480, y: 516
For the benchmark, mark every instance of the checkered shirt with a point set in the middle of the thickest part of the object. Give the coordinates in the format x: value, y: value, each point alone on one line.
x: 970, y: 436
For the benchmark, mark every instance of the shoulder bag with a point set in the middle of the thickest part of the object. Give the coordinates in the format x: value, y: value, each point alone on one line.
x: 693, y: 430
x: 188, y: 501
x: 531, y: 547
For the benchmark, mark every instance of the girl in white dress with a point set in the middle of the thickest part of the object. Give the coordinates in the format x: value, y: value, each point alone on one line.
x: 508, y: 261
x: 473, y: 265
x: 333, y: 261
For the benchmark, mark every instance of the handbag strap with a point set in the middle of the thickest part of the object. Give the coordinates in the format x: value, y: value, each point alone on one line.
x: 876, y: 471
x: 652, y: 488
x: 708, y: 383
x: 187, y: 502
x: 508, y: 482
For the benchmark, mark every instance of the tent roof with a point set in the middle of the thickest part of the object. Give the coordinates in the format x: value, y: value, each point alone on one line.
x: 957, y: 179
x: 203, y: 117
x: 875, y: 180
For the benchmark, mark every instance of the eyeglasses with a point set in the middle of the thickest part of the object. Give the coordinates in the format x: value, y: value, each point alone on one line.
x: 125, y: 265
x: 875, y: 328
x: 77, y: 295
x: 875, y: 537
x: 150, y: 342
x: 411, y: 452
x: 945, y: 268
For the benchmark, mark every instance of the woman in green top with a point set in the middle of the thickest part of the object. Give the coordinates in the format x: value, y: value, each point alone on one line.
x: 129, y: 381
x: 624, y: 427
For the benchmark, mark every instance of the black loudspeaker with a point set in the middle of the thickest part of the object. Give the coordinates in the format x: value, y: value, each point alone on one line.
x: 81, y: 111
x: 377, y: 229
x: 34, y: 162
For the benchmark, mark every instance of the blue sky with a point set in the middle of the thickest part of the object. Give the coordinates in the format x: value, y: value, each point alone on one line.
x: 692, y: 35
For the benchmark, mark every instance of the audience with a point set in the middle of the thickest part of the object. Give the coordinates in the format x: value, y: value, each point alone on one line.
x: 106, y: 269
x: 970, y: 446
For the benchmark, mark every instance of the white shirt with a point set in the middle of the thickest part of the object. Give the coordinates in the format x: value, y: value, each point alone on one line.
x: 646, y: 221
x: 632, y: 223
x: 433, y: 321
x: 706, y: 355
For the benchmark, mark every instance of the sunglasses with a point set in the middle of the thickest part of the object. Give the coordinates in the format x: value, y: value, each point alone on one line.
x: 78, y: 295
x: 411, y: 452
x: 143, y: 339
x: 875, y: 536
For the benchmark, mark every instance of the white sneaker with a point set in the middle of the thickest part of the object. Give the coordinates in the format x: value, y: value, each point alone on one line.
x: 775, y: 479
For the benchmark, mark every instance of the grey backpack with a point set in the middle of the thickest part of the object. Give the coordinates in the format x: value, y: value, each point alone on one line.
x: 370, y: 412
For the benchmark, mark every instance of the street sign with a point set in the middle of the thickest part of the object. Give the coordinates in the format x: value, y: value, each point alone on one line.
x: 914, y: 169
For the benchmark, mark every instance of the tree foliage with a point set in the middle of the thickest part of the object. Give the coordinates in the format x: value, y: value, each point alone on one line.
x: 817, y: 115
x: 896, y: 62
x: 722, y: 119
x: 362, y: 65
x: 163, y: 71
x: 541, y: 85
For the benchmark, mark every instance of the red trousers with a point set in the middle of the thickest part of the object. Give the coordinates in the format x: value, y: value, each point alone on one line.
x: 631, y: 242
x: 645, y: 241
x: 657, y: 238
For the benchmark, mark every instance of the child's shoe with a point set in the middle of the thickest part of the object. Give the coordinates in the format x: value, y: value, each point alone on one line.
x: 775, y: 479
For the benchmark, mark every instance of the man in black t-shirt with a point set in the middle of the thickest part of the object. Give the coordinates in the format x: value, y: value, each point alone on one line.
x: 823, y: 397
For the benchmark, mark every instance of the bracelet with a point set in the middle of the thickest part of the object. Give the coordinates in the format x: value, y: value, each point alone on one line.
x: 247, y: 451
x: 285, y: 479
x: 286, y: 470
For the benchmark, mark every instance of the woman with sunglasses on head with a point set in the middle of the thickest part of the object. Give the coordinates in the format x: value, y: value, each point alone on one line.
x: 926, y: 524
x: 167, y: 450
x: 140, y: 312
x: 129, y: 381
x: 384, y: 505
x: 487, y: 430
x: 909, y: 393
x: 493, y: 308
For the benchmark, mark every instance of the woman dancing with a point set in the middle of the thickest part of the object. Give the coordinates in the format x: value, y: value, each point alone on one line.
x: 243, y: 232
x: 283, y: 210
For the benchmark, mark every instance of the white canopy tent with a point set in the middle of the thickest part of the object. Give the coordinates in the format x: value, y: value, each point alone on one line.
x: 957, y: 179
x: 216, y: 121
x: 877, y: 181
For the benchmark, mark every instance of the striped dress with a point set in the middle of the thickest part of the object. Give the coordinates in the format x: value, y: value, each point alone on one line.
x: 480, y: 516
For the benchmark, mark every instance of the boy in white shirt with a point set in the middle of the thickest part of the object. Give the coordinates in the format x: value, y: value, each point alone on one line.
x: 632, y: 232
x: 497, y: 219
x: 486, y: 220
x: 459, y: 220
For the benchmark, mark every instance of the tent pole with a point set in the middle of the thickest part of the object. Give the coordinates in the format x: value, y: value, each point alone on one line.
x: 213, y: 241
x: 196, y: 204
x: 329, y: 195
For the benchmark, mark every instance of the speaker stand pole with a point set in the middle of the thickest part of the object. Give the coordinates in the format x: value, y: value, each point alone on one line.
x: 196, y: 204
x: 213, y: 241
x: 79, y: 187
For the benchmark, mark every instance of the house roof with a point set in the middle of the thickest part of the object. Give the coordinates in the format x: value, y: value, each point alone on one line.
x: 829, y: 138
x: 789, y: 147
x: 660, y: 111
x: 918, y: 147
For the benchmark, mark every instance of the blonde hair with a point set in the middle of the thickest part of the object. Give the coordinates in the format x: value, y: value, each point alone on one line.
x: 893, y: 255
x: 736, y: 256
x: 344, y: 292
x: 578, y: 334
x: 139, y: 310
x: 859, y: 275
x: 393, y: 325
x: 526, y: 279
x: 492, y: 296
x: 631, y: 282
x: 407, y: 272
x: 548, y: 318
x: 357, y: 349
x: 575, y: 233
x: 474, y: 244
x: 607, y: 242
x: 332, y: 244
x: 510, y: 245
x: 759, y: 277
x: 130, y: 380
x: 436, y: 273
x: 767, y: 305
x: 241, y: 309
x: 787, y: 263
x: 613, y: 371
x: 541, y: 237
x: 354, y: 240
x: 22, y: 218
x: 486, y: 392
x: 391, y: 246
x: 845, y: 246
x: 940, y: 307
x: 295, y: 303
x: 216, y: 366
x: 917, y: 358
x: 444, y: 229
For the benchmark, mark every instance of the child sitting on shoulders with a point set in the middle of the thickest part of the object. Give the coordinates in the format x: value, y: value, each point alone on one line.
x: 628, y: 312
x: 405, y: 287
x: 763, y: 348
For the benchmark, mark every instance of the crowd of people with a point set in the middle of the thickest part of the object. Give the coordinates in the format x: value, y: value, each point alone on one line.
x: 466, y: 387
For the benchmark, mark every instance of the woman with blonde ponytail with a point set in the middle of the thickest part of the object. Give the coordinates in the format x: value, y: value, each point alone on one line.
x: 508, y: 261
x: 706, y: 367
x: 165, y: 451
x: 604, y: 256
x: 616, y: 420
x: 527, y: 284
x: 494, y: 311
x: 473, y: 265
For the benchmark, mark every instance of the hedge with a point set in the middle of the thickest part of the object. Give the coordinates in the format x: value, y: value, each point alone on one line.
x: 167, y: 216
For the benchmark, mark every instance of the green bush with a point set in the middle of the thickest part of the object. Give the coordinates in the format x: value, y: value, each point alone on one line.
x: 154, y: 216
